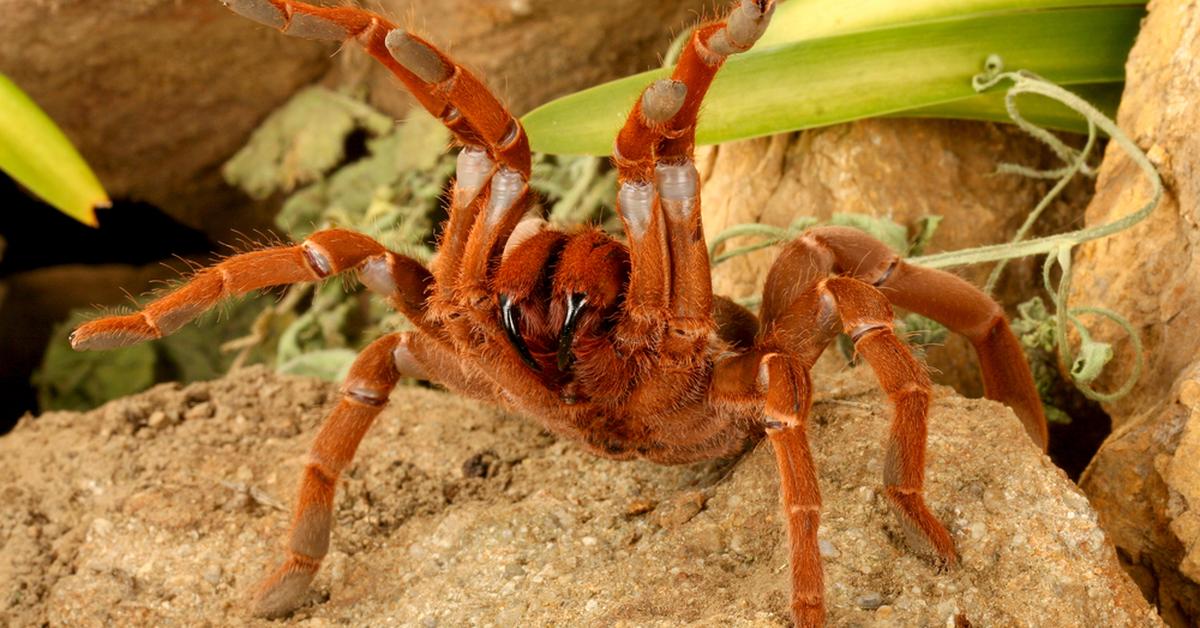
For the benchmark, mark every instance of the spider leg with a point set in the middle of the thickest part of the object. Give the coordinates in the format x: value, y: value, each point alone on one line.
x: 490, y: 192
x: 321, y: 255
x: 670, y: 291
x: 801, y: 308
x: 372, y: 377
x: 775, y: 384
x: 789, y: 399
x: 867, y: 318
x: 939, y: 295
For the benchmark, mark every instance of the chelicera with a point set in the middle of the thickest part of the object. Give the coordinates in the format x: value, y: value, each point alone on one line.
x: 619, y: 345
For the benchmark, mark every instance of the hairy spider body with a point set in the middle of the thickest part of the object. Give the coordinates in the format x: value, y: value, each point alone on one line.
x: 620, y: 346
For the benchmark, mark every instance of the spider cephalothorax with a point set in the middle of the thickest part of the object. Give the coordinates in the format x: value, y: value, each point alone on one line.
x: 618, y: 345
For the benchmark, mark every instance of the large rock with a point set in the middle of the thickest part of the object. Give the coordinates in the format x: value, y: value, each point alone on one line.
x: 157, y: 94
x: 530, y: 51
x: 166, y: 507
x: 1145, y: 484
x: 1150, y: 275
x: 904, y: 170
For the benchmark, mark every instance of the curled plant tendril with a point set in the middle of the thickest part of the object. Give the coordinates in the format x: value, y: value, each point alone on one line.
x: 1093, y: 355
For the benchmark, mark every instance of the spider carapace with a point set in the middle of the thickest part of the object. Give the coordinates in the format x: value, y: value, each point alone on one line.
x: 618, y: 345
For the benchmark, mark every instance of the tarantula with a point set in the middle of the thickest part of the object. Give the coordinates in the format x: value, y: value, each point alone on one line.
x: 620, y: 346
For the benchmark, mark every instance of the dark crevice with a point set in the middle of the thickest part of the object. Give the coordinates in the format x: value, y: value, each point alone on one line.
x: 37, y: 237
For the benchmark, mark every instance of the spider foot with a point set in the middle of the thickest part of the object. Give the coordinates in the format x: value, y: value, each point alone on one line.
x: 924, y: 533
x: 743, y: 27
x: 285, y: 590
x: 808, y: 614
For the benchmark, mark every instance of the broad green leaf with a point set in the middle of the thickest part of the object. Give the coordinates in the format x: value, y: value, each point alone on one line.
x: 882, y: 71
x: 36, y: 153
x: 795, y: 20
x: 1048, y: 113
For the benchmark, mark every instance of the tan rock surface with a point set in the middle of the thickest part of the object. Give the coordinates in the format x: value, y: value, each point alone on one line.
x: 166, y: 507
x: 1145, y: 484
x: 157, y: 94
x: 1143, y: 479
x: 1150, y: 273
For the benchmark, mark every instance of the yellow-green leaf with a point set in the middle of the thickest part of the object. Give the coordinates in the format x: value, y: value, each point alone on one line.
x: 924, y: 65
x: 36, y: 153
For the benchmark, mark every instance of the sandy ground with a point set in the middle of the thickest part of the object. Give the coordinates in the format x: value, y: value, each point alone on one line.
x: 164, y: 509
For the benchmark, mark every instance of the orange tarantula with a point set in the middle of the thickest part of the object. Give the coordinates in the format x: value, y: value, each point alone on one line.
x: 619, y: 345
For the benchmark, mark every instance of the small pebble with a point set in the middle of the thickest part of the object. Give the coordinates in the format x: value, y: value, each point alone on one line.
x: 639, y: 507
x: 680, y: 510
x: 827, y: 549
x: 869, y: 601
x: 203, y: 410
x: 513, y: 570
x: 101, y: 527
x: 157, y: 419
x: 213, y: 575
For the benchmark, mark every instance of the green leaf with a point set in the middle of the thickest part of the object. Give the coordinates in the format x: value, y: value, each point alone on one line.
x: 36, y: 153
x: 881, y: 71
x: 301, y: 141
x: 328, y: 364
x: 795, y: 20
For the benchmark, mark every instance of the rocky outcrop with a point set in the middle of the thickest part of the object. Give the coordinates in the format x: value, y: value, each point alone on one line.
x: 166, y: 507
x: 1142, y: 480
x: 157, y: 94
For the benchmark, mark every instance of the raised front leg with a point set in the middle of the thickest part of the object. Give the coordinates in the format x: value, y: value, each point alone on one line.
x: 669, y: 299
x: 323, y: 254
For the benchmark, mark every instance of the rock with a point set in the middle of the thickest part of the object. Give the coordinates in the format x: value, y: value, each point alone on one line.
x: 900, y: 169
x: 1144, y: 485
x: 157, y: 94
x: 1148, y: 275
x: 549, y: 540
x: 531, y: 51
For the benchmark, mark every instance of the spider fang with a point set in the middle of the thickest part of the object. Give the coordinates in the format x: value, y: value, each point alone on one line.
x: 508, y: 317
x: 575, y: 304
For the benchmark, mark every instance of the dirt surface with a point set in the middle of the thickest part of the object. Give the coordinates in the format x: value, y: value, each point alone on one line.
x: 166, y: 507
